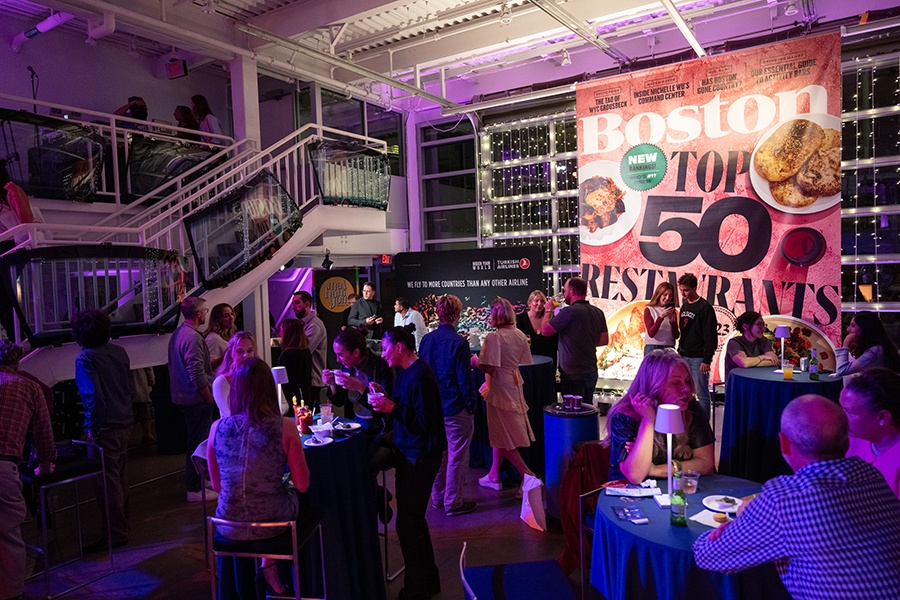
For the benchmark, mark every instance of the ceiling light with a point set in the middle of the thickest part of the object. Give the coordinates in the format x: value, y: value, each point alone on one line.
x: 327, y: 263
x: 791, y: 9
x: 566, y: 59
x: 506, y: 15
x: 682, y: 26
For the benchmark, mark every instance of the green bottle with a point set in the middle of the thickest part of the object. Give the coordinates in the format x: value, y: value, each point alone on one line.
x: 678, y: 503
x: 813, y: 366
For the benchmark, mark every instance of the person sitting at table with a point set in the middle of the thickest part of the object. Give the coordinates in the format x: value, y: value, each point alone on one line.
x: 750, y: 348
x: 873, y: 412
x: 636, y: 450
x: 871, y: 345
x: 507, y: 413
x: 660, y: 319
x: 530, y: 322
x: 256, y: 434
x: 832, y: 528
x: 296, y: 359
x: 240, y: 347
x: 415, y: 409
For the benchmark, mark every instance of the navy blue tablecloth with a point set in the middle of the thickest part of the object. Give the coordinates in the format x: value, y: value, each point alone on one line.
x: 656, y: 561
x: 539, y: 387
x: 754, y: 401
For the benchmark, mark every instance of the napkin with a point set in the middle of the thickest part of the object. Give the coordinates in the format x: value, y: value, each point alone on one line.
x: 634, y: 492
x: 705, y: 517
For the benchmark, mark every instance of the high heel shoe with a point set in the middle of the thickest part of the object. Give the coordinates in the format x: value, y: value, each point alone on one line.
x: 262, y: 584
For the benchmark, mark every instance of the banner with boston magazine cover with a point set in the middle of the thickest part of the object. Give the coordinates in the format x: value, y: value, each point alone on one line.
x: 477, y: 277
x: 727, y: 167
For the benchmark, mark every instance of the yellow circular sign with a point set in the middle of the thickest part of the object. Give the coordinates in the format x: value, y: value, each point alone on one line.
x: 333, y: 294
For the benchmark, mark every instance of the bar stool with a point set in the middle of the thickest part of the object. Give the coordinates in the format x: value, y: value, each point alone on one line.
x: 384, y: 533
x: 87, y: 462
x: 285, y: 546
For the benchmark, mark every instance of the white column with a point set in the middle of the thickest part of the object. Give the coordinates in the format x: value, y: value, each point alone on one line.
x: 245, y: 99
x: 255, y: 309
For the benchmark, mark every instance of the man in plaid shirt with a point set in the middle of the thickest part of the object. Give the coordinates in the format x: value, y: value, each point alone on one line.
x: 23, y: 409
x: 832, y: 529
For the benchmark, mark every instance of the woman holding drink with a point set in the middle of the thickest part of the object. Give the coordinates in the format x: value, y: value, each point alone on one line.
x: 529, y: 323
x: 255, y: 434
x: 637, y: 451
x: 660, y: 319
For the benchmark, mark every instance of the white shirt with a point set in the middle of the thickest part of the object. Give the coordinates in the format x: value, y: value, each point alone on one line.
x: 415, y: 317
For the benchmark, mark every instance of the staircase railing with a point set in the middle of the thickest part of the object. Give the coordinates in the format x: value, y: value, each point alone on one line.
x: 160, y: 227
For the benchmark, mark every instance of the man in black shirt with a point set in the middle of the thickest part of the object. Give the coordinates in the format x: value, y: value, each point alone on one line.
x: 366, y: 312
x: 699, y: 338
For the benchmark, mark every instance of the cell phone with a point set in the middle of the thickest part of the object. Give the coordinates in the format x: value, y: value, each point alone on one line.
x: 670, y: 305
x: 623, y: 454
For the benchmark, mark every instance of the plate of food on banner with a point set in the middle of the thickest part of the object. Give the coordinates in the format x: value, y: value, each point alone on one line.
x: 622, y: 356
x: 796, y: 165
x: 804, y: 337
x: 607, y: 209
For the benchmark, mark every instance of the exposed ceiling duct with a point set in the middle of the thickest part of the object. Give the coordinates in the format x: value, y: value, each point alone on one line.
x: 54, y: 20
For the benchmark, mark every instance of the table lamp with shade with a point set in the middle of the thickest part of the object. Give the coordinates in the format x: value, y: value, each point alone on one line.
x: 669, y: 420
x: 281, y: 376
x: 782, y: 332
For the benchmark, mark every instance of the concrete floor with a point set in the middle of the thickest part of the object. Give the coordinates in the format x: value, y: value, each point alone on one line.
x: 165, y: 556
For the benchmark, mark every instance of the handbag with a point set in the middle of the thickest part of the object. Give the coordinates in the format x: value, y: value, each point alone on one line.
x: 533, y: 503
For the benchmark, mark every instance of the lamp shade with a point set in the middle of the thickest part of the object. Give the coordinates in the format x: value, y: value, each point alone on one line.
x: 280, y: 374
x: 669, y: 419
x: 782, y: 332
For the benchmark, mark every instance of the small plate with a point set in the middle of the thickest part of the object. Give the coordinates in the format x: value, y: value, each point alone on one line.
x: 314, y: 442
x: 346, y: 426
x: 711, y: 502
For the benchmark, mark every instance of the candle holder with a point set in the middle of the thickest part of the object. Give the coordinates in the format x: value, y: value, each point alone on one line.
x: 782, y: 332
x: 669, y: 420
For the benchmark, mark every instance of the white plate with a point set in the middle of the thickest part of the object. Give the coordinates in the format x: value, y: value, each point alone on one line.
x: 761, y: 184
x: 314, y: 443
x: 632, y: 200
x: 347, y: 426
x: 710, y: 502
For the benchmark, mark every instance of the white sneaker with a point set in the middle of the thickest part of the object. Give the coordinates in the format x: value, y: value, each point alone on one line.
x: 198, y: 496
x: 485, y: 482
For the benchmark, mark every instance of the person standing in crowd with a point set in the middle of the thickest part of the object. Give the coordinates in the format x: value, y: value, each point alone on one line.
x: 751, y: 348
x: 660, y: 319
x: 135, y: 108
x: 530, y: 323
x: 317, y: 337
x: 296, y: 359
x: 870, y: 345
x: 832, y: 528
x: 873, y: 412
x: 366, y: 312
x: 209, y: 123
x: 405, y: 316
x: 698, y: 336
x: 184, y: 119
x: 415, y: 409
x: 636, y: 451
x: 507, y: 413
x: 256, y: 434
x: 23, y: 412
x: 143, y: 381
x: 351, y: 300
x: 581, y: 328
x: 447, y: 353
x: 220, y: 329
x: 241, y: 346
x: 103, y: 377
x: 190, y: 383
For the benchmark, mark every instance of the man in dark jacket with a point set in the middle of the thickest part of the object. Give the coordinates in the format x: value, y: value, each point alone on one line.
x: 103, y: 377
x: 699, y: 338
x: 365, y: 314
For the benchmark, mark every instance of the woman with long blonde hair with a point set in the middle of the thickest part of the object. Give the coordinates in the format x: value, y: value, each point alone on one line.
x: 660, y: 319
x: 529, y: 322
x: 636, y: 450
x: 241, y: 346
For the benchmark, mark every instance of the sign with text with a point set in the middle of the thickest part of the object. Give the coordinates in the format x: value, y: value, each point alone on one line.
x: 475, y: 276
x: 726, y: 167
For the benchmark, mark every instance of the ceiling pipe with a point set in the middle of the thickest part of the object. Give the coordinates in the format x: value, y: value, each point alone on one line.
x: 341, y: 63
x: 54, y: 20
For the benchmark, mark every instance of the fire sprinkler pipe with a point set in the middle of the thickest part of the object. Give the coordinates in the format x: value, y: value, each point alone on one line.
x: 44, y: 26
x: 98, y: 29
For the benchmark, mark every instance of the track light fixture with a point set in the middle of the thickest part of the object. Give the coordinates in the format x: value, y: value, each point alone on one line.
x: 506, y: 15
x: 566, y: 59
x: 791, y: 8
x: 327, y: 263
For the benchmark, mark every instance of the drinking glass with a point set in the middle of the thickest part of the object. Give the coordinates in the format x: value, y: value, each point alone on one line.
x: 788, y: 371
x: 325, y: 411
x: 689, y: 480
